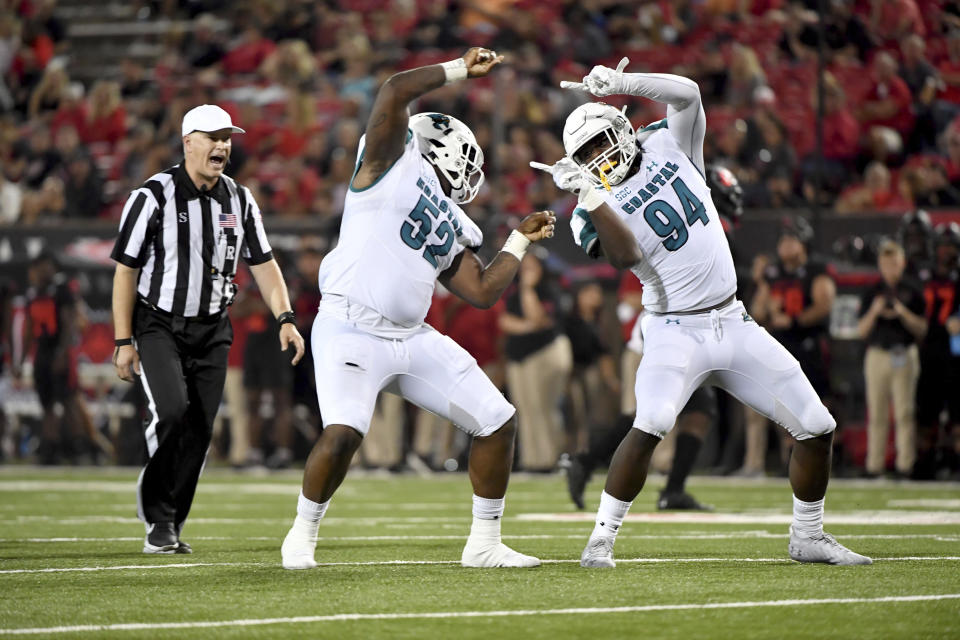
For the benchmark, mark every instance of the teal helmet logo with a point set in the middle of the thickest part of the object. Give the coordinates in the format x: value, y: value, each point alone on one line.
x: 440, y: 121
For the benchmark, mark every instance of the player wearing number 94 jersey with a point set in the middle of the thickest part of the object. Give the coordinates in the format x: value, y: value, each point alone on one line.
x: 644, y: 204
x: 402, y: 230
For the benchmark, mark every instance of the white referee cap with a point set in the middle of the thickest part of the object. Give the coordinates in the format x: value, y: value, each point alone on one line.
x: 208, y: 118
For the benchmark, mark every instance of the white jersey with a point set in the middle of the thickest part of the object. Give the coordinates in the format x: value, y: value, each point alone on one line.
x: 686, y: 257
x: 396, y: 237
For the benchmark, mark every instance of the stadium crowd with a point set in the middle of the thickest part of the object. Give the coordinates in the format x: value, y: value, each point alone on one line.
x: 300, y: 75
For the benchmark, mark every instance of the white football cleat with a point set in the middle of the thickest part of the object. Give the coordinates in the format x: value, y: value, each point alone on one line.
x: 481, y: 554
x: 823, y: 548
x: 598, y: 554
x: 298, y: 548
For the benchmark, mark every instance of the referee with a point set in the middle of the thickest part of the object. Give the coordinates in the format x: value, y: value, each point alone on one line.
x: 181, y: 235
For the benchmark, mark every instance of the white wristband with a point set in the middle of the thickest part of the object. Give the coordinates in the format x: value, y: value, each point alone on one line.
x: 516, y: 244
x: 590, y: 198
x: 456, y: 70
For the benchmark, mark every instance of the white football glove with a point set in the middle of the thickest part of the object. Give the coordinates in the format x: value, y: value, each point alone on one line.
x: 601, y: 81
x: 566, y: 173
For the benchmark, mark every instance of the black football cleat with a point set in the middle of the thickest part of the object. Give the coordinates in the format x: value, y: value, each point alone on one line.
x: 577, y: 478
x: 184, y: 547
x: 680, y: 501
x: 161, y: 538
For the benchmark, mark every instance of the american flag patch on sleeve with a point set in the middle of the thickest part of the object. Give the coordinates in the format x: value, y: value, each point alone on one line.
x: 228, y: 220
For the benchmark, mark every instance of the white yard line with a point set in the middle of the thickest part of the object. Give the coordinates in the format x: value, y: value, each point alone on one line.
x: 349, y: 617
x: 927, y: 503
x: 333, y: 520
x: 761, y: 517
x: 544, y: 536
x: 875, y: 517
x: 383, y: 563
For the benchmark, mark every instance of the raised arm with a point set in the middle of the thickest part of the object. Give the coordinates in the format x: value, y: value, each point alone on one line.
x: 686, y: 119
x: 387, y: 126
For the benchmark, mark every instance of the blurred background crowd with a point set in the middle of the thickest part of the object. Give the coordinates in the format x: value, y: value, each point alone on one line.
x: 848, y: 118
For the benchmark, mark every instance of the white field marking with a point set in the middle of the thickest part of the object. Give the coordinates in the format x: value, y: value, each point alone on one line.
x: 739, y: 535
x: 927, y: 503
x: 883, y: 517
x: 348, y: 617
x: 385, y: 563
x: 220, y: 488
x: 831, y: 518
x: 334, y: 520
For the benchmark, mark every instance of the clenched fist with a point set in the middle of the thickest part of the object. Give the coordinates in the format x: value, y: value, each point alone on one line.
x: 538, y: 226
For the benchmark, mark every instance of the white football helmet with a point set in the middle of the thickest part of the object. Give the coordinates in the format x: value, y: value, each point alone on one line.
x: 451, y: 147
x: 597, y: 119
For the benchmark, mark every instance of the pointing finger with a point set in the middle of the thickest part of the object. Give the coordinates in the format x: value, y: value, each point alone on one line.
x: 543, y: 167
x: 566, y: 84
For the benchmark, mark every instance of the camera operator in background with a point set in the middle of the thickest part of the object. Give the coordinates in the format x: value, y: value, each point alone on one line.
x: 892, y: 325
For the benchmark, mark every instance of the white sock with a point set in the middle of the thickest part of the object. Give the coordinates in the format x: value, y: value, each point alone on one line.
x: 808, y: 517
x: 309, y: 510
x: 487, y: 508
x: 610, y: 516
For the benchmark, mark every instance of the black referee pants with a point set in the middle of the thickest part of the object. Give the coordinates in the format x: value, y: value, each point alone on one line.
x: 184, y: 364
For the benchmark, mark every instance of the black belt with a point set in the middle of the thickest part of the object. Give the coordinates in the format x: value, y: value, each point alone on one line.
x: 719, y: 305
x: 210, y: 317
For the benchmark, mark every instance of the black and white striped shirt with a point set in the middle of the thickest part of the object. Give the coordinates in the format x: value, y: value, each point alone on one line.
x: 186, y: 242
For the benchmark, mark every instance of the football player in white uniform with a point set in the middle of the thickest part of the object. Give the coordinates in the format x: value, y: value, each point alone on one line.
x: 644, y: 203
x: 402, y: 230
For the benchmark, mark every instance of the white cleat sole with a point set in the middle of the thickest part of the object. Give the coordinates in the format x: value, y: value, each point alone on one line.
x: 297, y: 564
x: 597, y: 563
x: 166, y: 550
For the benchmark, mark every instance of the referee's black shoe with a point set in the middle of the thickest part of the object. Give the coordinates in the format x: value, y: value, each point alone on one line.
x: 578, y: 475
x: 680, y: 501
x: 184, y: 547
x: 161, y: 538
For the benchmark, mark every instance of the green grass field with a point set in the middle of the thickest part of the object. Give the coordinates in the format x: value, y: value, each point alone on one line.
x: 70, y: 563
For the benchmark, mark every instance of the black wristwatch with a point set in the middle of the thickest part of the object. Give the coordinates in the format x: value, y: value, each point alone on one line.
x: 122, y: 342
x: 286, y: 317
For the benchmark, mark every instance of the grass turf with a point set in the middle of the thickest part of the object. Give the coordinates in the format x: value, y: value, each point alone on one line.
x: 703, y: 578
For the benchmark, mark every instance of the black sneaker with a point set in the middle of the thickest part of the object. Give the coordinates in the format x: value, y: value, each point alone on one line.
x: 184, y: 547
x: 680, y: 501
x: 161, y: 538
x: 577, y: 478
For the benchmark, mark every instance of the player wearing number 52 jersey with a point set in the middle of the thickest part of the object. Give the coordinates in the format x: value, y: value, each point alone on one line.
x: 643, y: 202
x: 402, y: 230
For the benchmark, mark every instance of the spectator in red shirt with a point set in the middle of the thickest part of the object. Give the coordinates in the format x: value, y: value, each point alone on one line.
x: 841, y: 130
x: 886, y: 111
x: 300, y: 125
x: 841, y: 140
x: 32, y: 57
x: 875, y: 193
x: 891, y: 20
x: 947, y: 105
x: 249, y: 54
x: 104, y: 115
